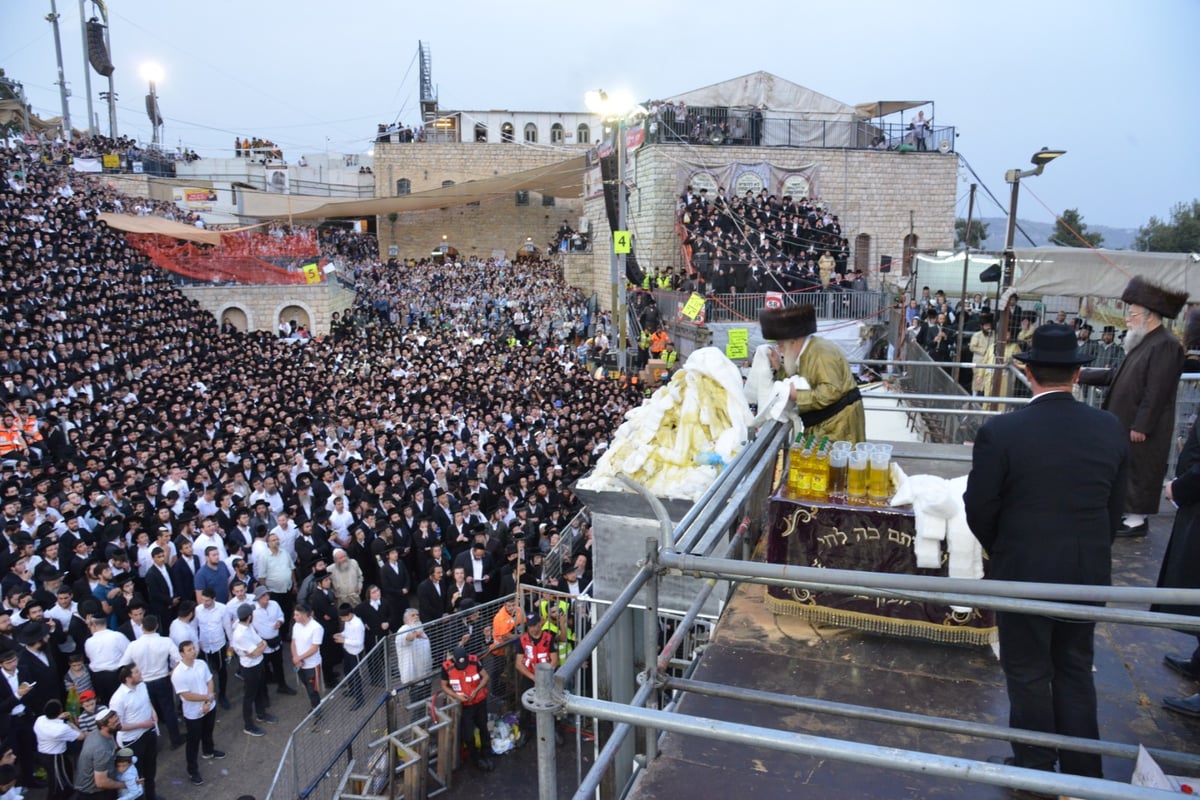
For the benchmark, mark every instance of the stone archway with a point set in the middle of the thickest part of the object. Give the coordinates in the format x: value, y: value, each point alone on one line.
x: 236, y: 316
x: 297, y: 312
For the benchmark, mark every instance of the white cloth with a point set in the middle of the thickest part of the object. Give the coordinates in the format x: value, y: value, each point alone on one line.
x: 245, y: 640
x: 214, y: 628
x: 354, y: 636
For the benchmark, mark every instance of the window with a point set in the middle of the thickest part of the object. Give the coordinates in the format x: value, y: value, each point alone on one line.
x: 547, y: 199
x: 447, y: 183
x: 522, y: 198
x: 583, y: 134
x: 556, y: 133
x: 506, y: 132
x: 403, y: 186
x: 910, y: 247
x: 481, y: 132
x: 862, y: 252
x: 531, y: 133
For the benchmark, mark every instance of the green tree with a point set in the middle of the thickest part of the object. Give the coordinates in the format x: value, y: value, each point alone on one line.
x: 979, y: 232
x: 1068, y: 225
x: 1180, y: 235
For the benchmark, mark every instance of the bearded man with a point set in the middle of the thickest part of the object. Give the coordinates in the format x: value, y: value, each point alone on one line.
x: 832, y: 405
x: 1141, y: 393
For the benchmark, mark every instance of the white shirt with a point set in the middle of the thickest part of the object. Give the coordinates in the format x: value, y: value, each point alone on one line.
x: 192, y: 679
x: 184, y: 631
x: 105, y: 649
x: 53, y: 735
x: 477, y: 571
x: 154, y: 655
x: 264, y: 620
x: 275, y: 570
x: 245, y: 640
x: 132, y: 706
x: 287, y: 538
x: 354, y: 636
x: 203, y: 542
x: 305, y: 636
x: 214, y: 627
x: 63, y: 617
x: 13, y: 683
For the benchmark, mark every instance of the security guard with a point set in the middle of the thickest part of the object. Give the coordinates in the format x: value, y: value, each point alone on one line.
x: 465, y: 680
x: 557, y: 617
x: 537, y: 647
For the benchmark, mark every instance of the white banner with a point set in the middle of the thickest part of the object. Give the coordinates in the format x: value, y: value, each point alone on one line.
x: 86, y: 165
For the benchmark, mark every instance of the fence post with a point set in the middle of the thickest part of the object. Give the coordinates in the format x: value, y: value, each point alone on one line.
x: 541, y: 701
x: 650, y: 642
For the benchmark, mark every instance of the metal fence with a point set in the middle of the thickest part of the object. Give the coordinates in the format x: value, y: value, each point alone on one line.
x: 739, y: 307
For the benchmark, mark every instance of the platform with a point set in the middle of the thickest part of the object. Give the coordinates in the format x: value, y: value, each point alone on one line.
x: 756, y: 649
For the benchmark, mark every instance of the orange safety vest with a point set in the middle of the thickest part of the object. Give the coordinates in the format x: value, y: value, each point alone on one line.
x: 31, y: 429
x: 465, y: 681
x: 10, y: 441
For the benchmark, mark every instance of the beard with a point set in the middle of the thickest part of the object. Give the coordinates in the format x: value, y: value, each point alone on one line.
x: 1133, y: 337
x: 791, y: 360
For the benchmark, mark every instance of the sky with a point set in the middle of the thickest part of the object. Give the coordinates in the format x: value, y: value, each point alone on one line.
x: 1112, y: 83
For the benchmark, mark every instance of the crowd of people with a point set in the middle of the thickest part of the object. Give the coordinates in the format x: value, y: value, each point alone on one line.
x: 760, y: 243
x: 256, y: 148
x: 172, y: 488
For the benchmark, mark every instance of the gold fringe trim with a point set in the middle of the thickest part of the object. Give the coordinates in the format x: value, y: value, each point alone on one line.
x: 873, y: 623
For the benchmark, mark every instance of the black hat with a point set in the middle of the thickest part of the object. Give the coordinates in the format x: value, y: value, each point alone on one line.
x: 33, y: 632
x: 793, y: 322
x: 459, y: 656
x: 320, y: 575
x: 1159, y: 299
x: 1054, y: 345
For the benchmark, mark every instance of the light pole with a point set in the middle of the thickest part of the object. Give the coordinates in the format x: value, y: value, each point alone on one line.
x: 1039, y: 160
x: 63, y: 92
x: 153, y: 74
x: 616, y: 107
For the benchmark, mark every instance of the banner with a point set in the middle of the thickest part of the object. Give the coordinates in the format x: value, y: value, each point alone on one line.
x: 277, y: 179
x: 87, y: 165
x: 693, y: 307
x: 111, y: 161
x: 739, y: 177
x: 196, y: 199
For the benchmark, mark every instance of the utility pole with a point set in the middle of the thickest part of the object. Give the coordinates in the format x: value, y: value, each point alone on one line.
x: 63, y: 93
x: 93, y: 129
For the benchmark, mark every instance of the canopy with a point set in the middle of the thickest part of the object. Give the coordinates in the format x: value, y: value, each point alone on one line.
x: 767, y: 91
x: 131, y: 223
x: 11, y: 112
x: 1083, y: 272
x: 563, y: 179
x: 881, y: 108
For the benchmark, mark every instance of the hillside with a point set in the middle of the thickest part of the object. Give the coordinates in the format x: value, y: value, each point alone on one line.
x: 1114, y: 238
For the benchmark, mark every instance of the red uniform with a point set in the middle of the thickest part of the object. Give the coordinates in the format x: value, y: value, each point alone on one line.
x: 465, y: 681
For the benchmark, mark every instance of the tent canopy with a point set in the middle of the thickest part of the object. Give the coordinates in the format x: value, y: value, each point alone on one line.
x: 881, y: 108
x: 1082, y: 272
x: 563, y: 179
x: 764, y: 90
x: 131, y: 223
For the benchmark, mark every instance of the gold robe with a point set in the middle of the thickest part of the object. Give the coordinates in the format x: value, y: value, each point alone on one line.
x: 828, y: 373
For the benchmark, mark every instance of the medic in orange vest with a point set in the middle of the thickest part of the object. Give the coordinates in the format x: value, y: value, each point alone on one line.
x: 464, y: 680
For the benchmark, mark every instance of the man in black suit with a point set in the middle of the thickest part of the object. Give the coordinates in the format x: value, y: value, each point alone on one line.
x: 183, y: 571
x: 433, y: 600
x: 160, y: 589
x: 1045, y: 493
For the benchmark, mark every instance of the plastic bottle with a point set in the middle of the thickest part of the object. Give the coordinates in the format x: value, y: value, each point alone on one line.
x: 73, y: 704
x: 795, y: 459
x: 819, y: 483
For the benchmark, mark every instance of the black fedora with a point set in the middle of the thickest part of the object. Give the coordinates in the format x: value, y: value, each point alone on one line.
x: 1054, y: 345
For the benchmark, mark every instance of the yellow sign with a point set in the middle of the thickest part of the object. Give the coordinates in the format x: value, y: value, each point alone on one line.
x: 738, y: 346
x: 621, y: 243
x: 693, y: 307
x: 312, y: 273
x: 110, y: 161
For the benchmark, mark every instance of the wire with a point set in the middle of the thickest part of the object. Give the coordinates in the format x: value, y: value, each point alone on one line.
x: 1084, y: 242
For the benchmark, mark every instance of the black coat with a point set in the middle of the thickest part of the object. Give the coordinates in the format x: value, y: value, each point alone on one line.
x: 430, y: 604
x: 159, y: 596
x: 184, y: 578
x: 49, y: 686
x: 1047, y: 489
x: 1183, y: 551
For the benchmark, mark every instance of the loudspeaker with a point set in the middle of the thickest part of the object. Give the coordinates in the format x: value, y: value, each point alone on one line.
x: 97, y: 51
x: 990, y: 275
x: 944, y: 146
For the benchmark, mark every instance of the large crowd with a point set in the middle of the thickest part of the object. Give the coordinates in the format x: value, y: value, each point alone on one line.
x: 155, y: 466
x: 761, y: 243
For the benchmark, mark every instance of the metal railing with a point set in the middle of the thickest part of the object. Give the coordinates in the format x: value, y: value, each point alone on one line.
x: 721, y: 126
x: 868, y: 305
x: 685, y: 550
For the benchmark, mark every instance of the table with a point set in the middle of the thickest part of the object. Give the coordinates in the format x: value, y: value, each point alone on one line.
x: 820, y: 534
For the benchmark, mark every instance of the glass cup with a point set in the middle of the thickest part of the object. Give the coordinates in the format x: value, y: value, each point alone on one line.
x: 858, y: 462
x: 839, y: 478
x: 878, y: 479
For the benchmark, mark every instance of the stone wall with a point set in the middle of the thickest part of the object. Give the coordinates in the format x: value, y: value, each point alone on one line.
x: 885, y: 195
x: 472, y: 230
x: 260, y: 308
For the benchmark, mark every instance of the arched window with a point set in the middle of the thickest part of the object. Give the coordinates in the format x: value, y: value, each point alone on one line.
x: 583, y: 134
x: 862, y: 252
x: 506, y: 132
x: 556, y: 133
x: 481, y: 132
x: 531, y: 133
x: 403, y: 186
x: 447, y: 183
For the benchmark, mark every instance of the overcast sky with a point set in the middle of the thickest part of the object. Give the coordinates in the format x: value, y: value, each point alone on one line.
x: 1113, y: 83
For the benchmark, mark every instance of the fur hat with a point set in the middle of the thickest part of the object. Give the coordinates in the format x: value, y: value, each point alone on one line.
x: 986, y: 318
x: 1158, y: 299
x: 1191, y: 330
x: 793, y: 322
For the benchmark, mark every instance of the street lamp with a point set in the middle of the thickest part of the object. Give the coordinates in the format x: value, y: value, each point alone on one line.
x: 617, y: 106
x: 153, y: 73
x: 1039, y: 160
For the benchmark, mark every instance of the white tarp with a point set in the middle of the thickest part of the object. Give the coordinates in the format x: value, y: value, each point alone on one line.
x: 1083, y: 272
x: 779, y: 99
x: 945, y: 272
